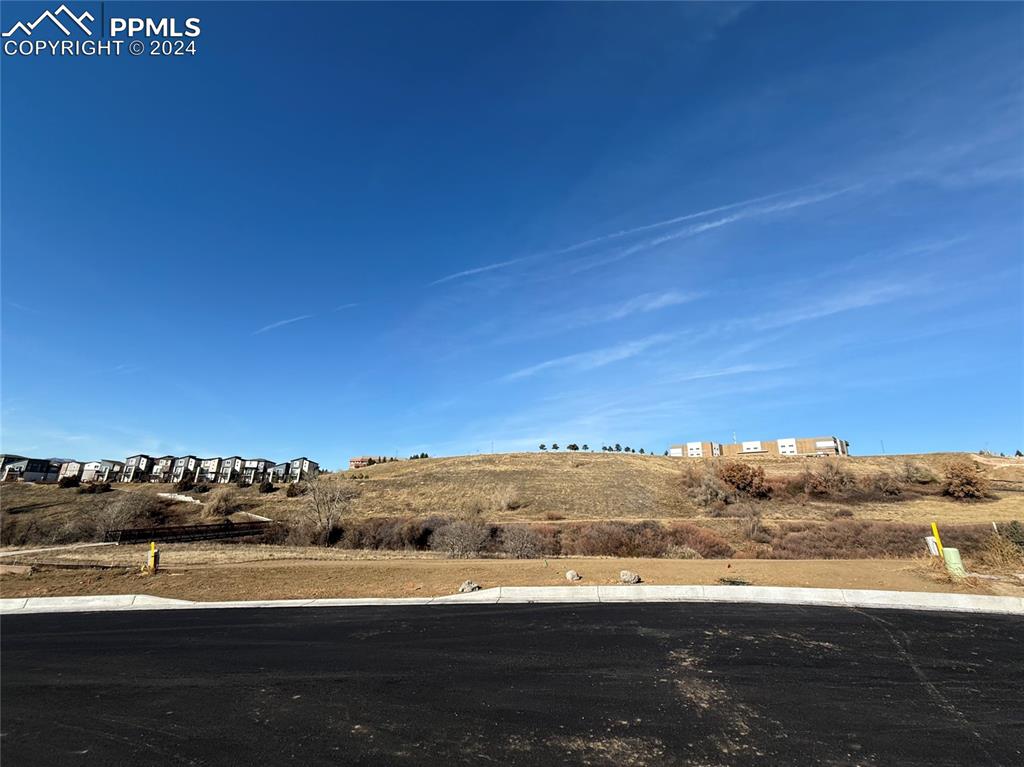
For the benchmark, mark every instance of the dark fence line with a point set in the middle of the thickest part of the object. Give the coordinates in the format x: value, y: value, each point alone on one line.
x: 187, y: 532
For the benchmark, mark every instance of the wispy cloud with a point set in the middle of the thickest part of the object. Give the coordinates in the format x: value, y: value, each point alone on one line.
x: 343, y: 307
x: 593, y: 359
x: 650, y: 302
x: 695, y: 229
x: 744, y: 209
x: 281, y: 323
x: 732, y: 370
x: 481, y: 270
x: 858, y: 298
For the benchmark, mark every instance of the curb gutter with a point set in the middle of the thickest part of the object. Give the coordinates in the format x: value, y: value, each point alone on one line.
x: 772, y: 595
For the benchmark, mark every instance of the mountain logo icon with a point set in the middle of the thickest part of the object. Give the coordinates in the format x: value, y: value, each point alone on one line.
x: 63, y: 18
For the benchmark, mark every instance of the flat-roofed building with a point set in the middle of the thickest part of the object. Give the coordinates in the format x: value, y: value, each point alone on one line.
x: 785, y: 446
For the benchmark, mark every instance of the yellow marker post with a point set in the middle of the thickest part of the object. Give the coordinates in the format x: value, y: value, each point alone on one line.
x: 938, y: 540
x: 154, y: 558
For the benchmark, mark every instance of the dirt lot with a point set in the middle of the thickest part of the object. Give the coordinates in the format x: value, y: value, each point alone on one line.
x: 212, y: 572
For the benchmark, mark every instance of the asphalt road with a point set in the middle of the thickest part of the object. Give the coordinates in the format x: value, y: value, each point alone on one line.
x: 529, y: 684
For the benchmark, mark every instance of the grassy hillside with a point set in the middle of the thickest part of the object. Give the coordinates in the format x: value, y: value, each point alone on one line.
x: 533, y: 487
x: 552, y: 487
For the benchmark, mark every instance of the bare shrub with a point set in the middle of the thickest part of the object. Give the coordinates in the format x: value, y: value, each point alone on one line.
x: 752, y: 530
x: 864, y: 540
x: 841, y: 514
x: 389, y: 533
x: 90, y: 488
x: 327, y: 500
x: 964, y: 482
x: 829, y: 479
x: 884, y: 484
x: 520, y: 542
x: 615, y: 539
x: 914, y: 473
x: 999, y: 552
x: 266, y: 486
x: 702, y: 485
x: 127, y: 510
x: 64, y: 482
x: 294, y: 490
x: 682, y: 552
x: 462, y: 538
x: 505, y: 498
x: 222, y: 503
x: 553, y: 516
x: 746, y: 479
x: 707, y: 543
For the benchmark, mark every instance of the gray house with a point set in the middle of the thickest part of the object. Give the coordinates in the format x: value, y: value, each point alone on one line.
x: 30, y: 469
x: 184, y: 464
x: 302, y: 468
x: 163, y: 467
x: 209, y: 470
x: 230, y: 469
x: 256, y: 470
x: 137, y: 468
x: 102, y: 471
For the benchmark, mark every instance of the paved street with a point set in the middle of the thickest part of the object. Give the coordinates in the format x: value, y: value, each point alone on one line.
x: 598, y: 684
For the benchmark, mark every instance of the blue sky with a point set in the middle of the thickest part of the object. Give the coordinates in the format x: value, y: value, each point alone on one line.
x: 347, y: 229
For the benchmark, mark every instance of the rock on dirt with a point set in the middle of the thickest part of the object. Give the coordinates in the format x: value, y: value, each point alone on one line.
x: 468, y: 586
x: 572, y: 575
x: 628, y: 576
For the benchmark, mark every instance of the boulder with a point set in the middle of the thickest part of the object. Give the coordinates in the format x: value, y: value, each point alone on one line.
x: 572, y: 575
x: 468, y: 586
x: 628, y: 576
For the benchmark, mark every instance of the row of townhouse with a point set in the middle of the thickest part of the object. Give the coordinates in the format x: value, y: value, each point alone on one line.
x: 774, y: 447
x: 234, y: 468
x: 166, y: 468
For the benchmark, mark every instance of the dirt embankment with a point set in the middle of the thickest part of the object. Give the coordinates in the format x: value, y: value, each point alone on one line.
x: 210, y: 572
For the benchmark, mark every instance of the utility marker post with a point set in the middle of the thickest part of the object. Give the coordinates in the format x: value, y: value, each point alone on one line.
x: 153, y: 561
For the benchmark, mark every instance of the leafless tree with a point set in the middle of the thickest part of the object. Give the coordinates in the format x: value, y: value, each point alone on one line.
x: 326, y: 501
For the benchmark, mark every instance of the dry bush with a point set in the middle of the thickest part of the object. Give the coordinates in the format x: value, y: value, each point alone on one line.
x: 65, y: 482
x: 914, y: 473
x: 682, y: 552
x: 964, y: 482
x: 461, y: 539
x: 999, y: 552
x: 553, y: 516
x: 752, y: 530
x: 128, y: 510
x: 520, y: 542
x: 707, y: 543
x: 703, y: 486
x: 506, y: 498
x: 883, y: 484
x: 91, y: 488
x: 863, y: 540
x: 222, y: 503
x: 829, y: 479
x: 745, y: 478
x: 615, y: 539
x: 389, y: 533
x: 840, y: 514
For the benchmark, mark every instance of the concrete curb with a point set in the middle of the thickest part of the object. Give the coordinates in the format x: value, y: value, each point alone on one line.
x: 770, y: 595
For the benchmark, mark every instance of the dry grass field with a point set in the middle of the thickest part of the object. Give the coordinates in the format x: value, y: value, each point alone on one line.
x: 551, y: 490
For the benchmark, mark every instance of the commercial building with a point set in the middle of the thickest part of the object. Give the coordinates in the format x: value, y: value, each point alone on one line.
x: 786, y: 446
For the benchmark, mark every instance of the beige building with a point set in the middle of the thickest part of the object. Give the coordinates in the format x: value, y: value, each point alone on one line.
x: 775, y: 447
